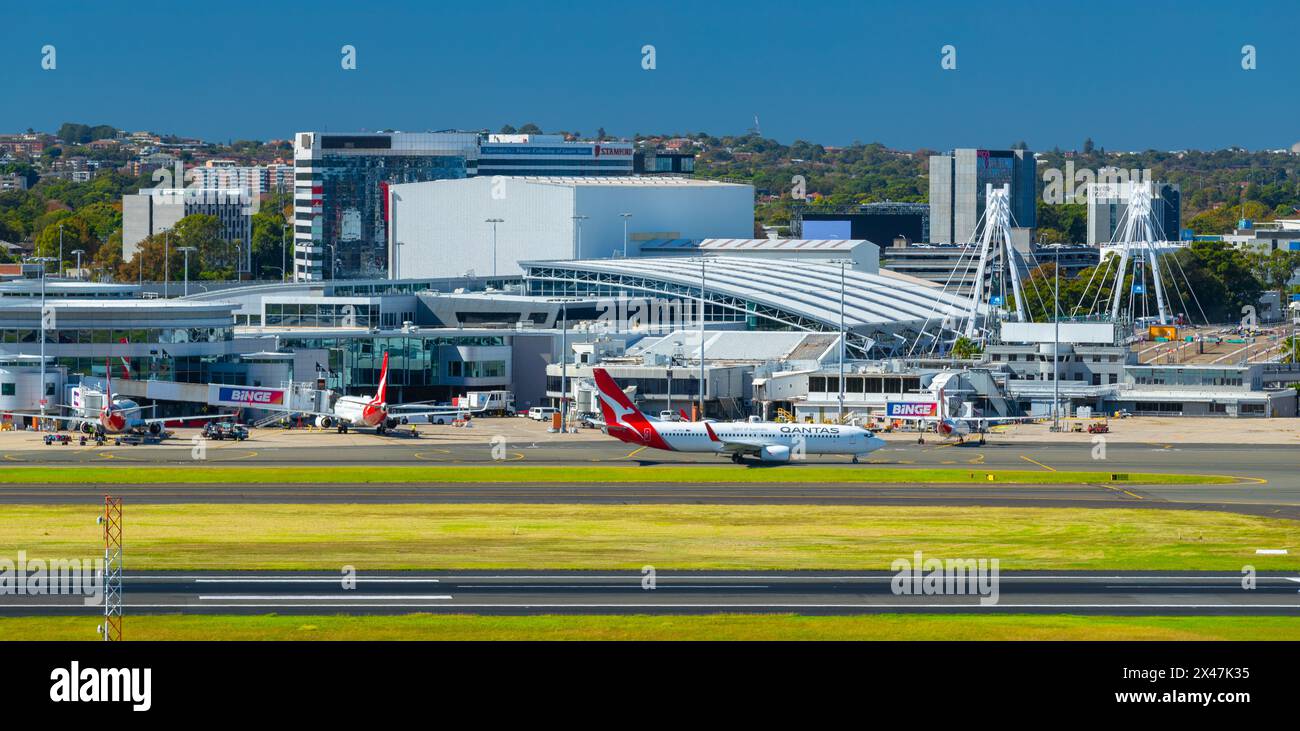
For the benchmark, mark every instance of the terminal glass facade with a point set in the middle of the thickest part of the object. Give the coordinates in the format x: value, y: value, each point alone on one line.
x: 415, y: 371
x: 348, y: 218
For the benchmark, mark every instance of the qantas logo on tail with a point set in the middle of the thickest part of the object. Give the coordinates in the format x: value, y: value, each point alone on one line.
x: 623, y: 419
x: 382, y: 394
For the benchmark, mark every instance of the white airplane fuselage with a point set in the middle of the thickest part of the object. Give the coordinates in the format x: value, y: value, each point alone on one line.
x: 359, y: 411
x: 810, y: 438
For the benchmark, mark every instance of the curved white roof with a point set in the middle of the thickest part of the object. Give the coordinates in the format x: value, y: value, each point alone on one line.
x: 804, y: 288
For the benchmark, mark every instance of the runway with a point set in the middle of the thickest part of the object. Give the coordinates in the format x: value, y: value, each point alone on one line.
x: 575, y: 592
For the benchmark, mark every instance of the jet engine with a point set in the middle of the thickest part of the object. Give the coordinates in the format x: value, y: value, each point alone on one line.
x: 155, y: 428
x: 390, y: 423
x: 774, y: 453
x: 324, y: 422
x: 87, y: 427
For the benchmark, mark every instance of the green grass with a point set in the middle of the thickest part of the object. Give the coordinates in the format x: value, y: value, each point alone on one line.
x: 436, y: 536
x: 661, y: 627
x: 109, y: 475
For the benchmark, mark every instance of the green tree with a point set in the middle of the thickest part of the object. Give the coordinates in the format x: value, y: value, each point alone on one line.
x: 77, y: 234
x: 1275, y: 270
x: 965, y: 348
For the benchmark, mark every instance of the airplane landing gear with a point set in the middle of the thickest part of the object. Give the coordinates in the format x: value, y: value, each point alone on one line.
x: 855, y: 459
x: 380, y: 430
x: 343, y: 429
x: 737, y: 459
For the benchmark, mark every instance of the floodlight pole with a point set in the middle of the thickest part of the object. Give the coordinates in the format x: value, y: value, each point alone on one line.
x: 187, y: 250
x: 625, y: 216
x: 579, y: 220
x: 1056, y: 345
x: 843, y: 335
x: 702, y: 316
x: 564, y: 367
x: 494, y: 222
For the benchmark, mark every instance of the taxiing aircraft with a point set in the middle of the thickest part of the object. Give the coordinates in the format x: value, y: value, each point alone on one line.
x: 769, y: 441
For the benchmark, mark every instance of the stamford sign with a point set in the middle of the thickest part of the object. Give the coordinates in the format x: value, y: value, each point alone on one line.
x: 245, y: 396
x: 910, y: 408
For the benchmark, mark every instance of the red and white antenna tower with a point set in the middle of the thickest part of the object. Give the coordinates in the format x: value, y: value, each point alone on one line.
x: 111, y: 520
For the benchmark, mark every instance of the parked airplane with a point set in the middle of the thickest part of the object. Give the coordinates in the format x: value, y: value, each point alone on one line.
x: 119, y: 416
x: 947, y: 427
x: 374, y: 412
x: 769, y: 441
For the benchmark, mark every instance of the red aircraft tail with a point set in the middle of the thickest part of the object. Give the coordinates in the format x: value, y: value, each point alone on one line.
x: 108, y: 382
x: 381, y: 396
x: 622, y: 418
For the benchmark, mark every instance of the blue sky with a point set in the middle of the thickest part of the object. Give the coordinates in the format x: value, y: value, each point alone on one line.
x: 1132, y: 75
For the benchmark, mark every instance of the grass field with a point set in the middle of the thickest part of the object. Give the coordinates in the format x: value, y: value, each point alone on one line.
x: 114, y: 475
x: 661, y: 627
x: 424, y: 536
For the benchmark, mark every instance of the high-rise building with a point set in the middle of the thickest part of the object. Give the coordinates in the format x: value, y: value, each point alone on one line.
x: 1107, y: 203
x: 155, y: 210
x: 340, y: 193
x: 258, y: 179
x: 957, y: 188
x: 530, y: 154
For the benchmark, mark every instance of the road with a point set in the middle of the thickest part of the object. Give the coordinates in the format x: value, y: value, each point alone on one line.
x: 575, y: 592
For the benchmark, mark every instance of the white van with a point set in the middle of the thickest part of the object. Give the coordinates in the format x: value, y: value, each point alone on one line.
x: 541, y: 413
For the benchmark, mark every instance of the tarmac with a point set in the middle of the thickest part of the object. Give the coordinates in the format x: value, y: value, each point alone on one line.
x: 1260, y: 456
x: 678, y: 592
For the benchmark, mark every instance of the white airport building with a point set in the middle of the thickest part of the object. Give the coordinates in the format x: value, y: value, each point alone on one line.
x: 446, y: 228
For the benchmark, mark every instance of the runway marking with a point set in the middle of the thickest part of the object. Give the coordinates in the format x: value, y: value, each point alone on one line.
x: 978, y: 460
x: 324, y: 597
x: 251, y: 454
x: 1040, y: 464
x: 296, y: 580
x: 634, y: 452
x: 632, y: 583
x: 1112, y: 488
x: 683, y: 605
x: 12, y: 458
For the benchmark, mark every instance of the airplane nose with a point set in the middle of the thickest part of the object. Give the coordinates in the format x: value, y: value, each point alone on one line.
x: 874, y: 443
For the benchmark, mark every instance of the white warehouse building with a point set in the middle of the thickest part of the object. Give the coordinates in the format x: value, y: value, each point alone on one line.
x: 444, y: 228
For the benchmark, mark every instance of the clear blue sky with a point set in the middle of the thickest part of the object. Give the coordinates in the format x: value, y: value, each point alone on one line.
x: 1132, y: 75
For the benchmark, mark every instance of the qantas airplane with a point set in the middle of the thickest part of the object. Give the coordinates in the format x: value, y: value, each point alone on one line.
x: 947, y: 427
x: 120, y: 416
x: 372, y: 413
x: 768, y: 441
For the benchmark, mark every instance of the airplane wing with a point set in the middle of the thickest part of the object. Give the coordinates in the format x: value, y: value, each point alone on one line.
x: 200, y: 417
x: 736, y: 446
x: 54, y: 417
